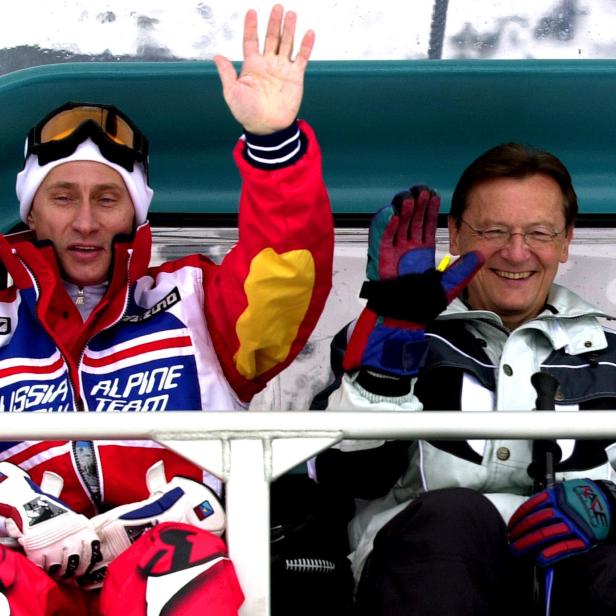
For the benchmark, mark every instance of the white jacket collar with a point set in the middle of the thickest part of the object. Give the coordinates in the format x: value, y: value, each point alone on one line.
x: 570, y: 321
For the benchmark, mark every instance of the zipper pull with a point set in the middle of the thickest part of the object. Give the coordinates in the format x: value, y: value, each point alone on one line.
x: 80, y: 298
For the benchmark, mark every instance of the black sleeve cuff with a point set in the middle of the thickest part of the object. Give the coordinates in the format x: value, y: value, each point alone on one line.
x: 277, y: 150
x: 367, y: 473
x: 384, y: 384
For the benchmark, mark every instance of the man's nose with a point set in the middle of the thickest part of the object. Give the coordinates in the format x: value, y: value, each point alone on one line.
x: 516, y: 248
x: 85, y: 220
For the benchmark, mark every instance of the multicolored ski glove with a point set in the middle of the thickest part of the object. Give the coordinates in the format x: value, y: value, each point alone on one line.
x: 58, y: 540
x: 405, y: 291
x: 180, y: 500
x: 566, y: 519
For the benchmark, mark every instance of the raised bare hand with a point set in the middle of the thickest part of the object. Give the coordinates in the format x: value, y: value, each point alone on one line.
x: 267, y: 94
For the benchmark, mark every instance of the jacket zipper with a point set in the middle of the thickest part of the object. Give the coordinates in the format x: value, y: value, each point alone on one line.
x: 84, y: 452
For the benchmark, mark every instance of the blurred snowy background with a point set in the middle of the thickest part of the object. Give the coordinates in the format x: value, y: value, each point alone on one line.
x: 35, y: 32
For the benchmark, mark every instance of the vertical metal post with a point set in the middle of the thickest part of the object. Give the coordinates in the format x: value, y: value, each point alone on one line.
x: 248, y: 523
x: 437, y: 29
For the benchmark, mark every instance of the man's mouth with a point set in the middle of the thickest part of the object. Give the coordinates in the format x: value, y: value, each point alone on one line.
x: 513, y: 275
x: 85, y: 248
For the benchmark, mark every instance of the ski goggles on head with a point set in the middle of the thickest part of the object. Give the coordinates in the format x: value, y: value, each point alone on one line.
x: 59, y: 134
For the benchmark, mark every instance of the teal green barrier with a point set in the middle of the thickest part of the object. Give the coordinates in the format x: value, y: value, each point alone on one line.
x: 382, y: 125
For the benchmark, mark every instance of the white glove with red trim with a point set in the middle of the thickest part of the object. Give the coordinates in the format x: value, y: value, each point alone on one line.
x: 179, y: 500
x: 60, y: 541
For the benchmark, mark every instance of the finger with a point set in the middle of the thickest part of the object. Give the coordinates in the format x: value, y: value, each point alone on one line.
x: 540, y: 537
x: 97, y: 554
x: 407, y: 209
x: 226, y: 72
x: 434, y: 205
x: 561, y: 550
x: 387, y: 263
x: 378, y: 225
x: 305, y: 50
x: 72, y: 564
x: 288, y: 35
x: 535, y: 502
x: 272, y: 38
x: 250, y: 41
x: 417, y: 224
x: 456, y: 277
x: 91, y: 555
x: 532, y: 521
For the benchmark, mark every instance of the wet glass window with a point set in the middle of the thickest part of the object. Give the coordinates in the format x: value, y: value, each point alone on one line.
x: 36, y: 32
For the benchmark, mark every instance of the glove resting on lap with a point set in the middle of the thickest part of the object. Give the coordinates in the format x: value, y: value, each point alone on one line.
x: 54, y: 537
x: 563, y: 520
x: 179, y: 500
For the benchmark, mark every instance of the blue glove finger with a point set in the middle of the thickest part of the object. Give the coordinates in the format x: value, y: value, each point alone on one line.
x: 458, y: 275
x: 537, y: 502
x: 539, y: 538
x: 531, y: 521
x: 555, y: 540
x: 561, y: 550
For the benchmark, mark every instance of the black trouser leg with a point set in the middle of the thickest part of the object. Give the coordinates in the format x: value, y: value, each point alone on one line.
x: 586, y: 583
x: 446, y: 554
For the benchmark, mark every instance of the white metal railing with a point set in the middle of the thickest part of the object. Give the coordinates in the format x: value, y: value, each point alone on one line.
x: 249, y: 450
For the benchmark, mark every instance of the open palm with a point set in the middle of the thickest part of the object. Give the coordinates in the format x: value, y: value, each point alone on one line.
x: 266, y: 95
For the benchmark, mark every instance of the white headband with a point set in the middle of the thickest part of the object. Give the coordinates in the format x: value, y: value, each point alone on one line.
x: 33, y: 174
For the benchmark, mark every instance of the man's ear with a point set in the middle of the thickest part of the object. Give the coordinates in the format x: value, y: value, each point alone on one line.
x: 30, y: 220
x: 564, y: 254
x: 454, y: 233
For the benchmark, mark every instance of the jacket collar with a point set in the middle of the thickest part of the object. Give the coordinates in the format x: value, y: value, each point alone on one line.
x: 131, y: 257
x: 568, y: 321
x: 33, y: 264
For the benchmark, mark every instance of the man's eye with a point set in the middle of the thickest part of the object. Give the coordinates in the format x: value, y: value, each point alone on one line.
x: 540, y: 235
x: 495, y: 234
x: 107, y: 200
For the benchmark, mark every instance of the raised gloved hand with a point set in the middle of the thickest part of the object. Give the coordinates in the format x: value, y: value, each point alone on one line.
x: 404, y: 290
x: 566, y: 519
x: 54, y: 537
x: 179, y: 500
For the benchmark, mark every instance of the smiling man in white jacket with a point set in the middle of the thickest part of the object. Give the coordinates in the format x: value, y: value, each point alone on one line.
x: 430, y: 535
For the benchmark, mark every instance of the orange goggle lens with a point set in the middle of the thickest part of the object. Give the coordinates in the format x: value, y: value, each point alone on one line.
x: 65, y: 123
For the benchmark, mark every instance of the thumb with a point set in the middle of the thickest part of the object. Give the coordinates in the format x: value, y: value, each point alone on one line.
x: 12, y: 530
x: 226, y: 72
x: 458, y: 275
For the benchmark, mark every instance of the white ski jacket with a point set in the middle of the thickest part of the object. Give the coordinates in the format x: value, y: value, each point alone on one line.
x: 474, y: 363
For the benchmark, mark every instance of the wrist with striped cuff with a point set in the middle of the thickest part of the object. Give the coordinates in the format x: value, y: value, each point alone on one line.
x: 276, y: 150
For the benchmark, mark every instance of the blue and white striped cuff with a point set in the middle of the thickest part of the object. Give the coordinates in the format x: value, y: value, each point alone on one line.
x: 279, y: 149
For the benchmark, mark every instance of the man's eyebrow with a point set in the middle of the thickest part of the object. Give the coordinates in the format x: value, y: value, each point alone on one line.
x: 61, y: 184
x: 537, y: 223
x: 69, y: 185
x: 108, y: 186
